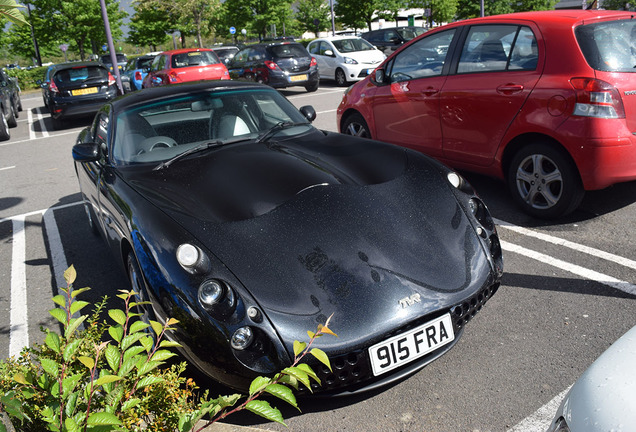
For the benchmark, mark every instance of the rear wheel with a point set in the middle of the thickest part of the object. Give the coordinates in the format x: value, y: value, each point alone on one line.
x: 11, y: 121
x: 544, y: 181
x: 312, y: 87
x: 16, y: 107
x: 356, y: 125
x: 4, y: 127
x: 341, y: 78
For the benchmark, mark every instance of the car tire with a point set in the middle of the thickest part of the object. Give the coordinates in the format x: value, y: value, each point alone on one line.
x: 5, y: 134
x: 355, y: 125
x: 312, y: 87
x: 544, y: 181
x: 341, y: 77
x: 19, y: 103
x: 136, y: 280
x: 16, y: 108
x: 11, y: 119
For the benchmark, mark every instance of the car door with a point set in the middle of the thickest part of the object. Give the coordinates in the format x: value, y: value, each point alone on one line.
x: 406, y: 111
x: 236, y: 66
x: 157, y: 75
x: 497, y: 68
x: 329, y: 60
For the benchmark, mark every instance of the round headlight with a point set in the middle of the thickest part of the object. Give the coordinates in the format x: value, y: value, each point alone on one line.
x: 187, y: 255
x: 211, y: 292
x: 242, y: 338
x: 454, y: 179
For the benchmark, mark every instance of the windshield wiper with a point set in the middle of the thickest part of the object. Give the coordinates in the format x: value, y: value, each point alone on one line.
x: 277, y: 127
x: 199, y: 148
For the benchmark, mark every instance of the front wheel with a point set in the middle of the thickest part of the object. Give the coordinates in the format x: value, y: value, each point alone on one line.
x: 11, y: 118
x: 341, y: 78
x: 544, y: 181
x: 356, y: 125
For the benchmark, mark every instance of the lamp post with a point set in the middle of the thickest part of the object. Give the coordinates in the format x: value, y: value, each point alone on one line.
x: 333, y: 21
x: 35, y: 41
x: 111, y: 47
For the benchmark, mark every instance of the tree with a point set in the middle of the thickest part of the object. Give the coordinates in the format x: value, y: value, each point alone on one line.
x: 441, y: 10
x: 534, y: 5
x: 617, y: 4
x: 258, y: 15
x: 308, y: 12
x: 149, y: 26
x: 390, y: 10
x: 471, y: 9
x: 356, y: 13
x: 9, y: 10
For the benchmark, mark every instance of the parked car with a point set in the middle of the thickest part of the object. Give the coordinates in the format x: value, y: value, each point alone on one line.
x: 223, y: 199
x: 183, y: 65
x: 107, y: 61
x: 226, y: 52
x: 12, y: 84
x: 604, y: 397
x: 389, y: 39
x: 136, y: 70
x: 277, y: 64
x: 543, y: 100
x: 44, y: 84
x: 344, y: 58
x: 8, y: 111
x: 77, y: 89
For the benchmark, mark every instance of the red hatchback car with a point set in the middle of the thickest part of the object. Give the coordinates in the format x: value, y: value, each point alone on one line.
x: 544, y: 100
x: 189, y: 64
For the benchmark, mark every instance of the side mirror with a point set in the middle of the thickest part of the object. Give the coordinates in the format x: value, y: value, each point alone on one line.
x: 146, y: 70
x: 380, y: 76
x: 309, y: 112
x: 329, y: 53
x: 86, y: 152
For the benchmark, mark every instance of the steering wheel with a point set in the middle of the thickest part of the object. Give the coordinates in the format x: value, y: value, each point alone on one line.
x: 158, y: 142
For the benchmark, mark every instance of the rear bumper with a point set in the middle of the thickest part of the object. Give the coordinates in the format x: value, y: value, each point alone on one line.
x: 69, y: 107
x: 282, y: 80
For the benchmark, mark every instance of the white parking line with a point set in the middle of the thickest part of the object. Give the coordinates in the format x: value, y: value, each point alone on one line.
x: 58, y: 258
x: 18, y: 327
x: 541, y: 418
x: 7, y: 168
x: 45, y: 132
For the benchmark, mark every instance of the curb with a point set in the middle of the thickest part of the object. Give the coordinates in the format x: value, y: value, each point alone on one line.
x: 227, y: 427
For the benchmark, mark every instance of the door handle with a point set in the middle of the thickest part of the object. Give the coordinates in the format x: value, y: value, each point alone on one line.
x: 509, y: 89
x: 429, y: 91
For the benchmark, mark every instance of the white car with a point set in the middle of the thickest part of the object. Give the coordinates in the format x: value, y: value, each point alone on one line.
x: 603, y: 399
x: 345, y: 58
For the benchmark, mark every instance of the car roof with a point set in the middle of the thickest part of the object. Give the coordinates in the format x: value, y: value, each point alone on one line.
x: 184, y: 50
x: 334, y: 38
x: 561, y: 15
x: 72, y: 65
x: 140, y: 97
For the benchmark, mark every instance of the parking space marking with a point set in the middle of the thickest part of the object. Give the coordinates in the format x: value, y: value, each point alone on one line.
x: 7, y: 168
x: 18, y: 321
x: 38, y: 138
x: 45, y: 132
x: 541, y: 418
x: 568, y: 244
x: 58, y: 257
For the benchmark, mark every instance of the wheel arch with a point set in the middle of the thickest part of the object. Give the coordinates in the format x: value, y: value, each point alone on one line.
x: 348, y: 113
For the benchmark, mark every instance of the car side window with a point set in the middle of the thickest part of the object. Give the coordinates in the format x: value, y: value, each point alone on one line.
x: 313, y: 47
x: 324, y: 46
x: 494, y: 48
x: 424, y: 58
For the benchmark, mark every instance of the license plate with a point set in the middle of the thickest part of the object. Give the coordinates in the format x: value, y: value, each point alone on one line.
x: 84, y: 91
x: 408, y: 346
x: 295, y: 78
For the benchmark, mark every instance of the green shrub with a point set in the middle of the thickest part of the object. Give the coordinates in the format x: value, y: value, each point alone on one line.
x: 112, y: 377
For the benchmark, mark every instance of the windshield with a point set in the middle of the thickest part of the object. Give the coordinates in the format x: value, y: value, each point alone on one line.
x: 158, y: 130
x: 411, y: 32
x: 194, y: 58
x: 609, y: 46
x: 352, y: 45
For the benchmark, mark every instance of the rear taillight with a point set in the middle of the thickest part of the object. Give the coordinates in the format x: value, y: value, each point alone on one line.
x: 313, y: 62
x: 272, y: 65
x: 138, y: 75
x: 596, y: 98
x: 111, y: 80
x: 53, y: 88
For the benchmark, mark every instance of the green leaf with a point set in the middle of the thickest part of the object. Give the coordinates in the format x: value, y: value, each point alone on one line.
x: 149, y: 380
x: 59, y: 300
x: 106, y: 379
x: 289, y: 380
x: 147, y: 342
x: 87, y: 361
x: 311, y: 334
x: 299, y: 374
x: 112, y: 355
x: 282, y: 392
x: 52, y: 341
x: 299, y: 347
x: 321, y: 356
x: 76, y: 292
x: 78, y: 305
x: 70, y: 349
x: 102, y: 418
x: 156, y: 327
x: 265, y: 410
x: 258, y: 384
x: 118, y: 316
x: 130, y: 403
x: 69, y: 383
x: 59, y: 314
x: 71, y: 403
x: 127, y: 366
x: 116, y: 332
x: 146, y: 367
x: 70, y: 274
x: 50, y: 366
x: 130, y: 340
x: 74, y: 323
x: 133, y: 351
x: 20, y: 378
x: 70, y: 424
x: 161, y: 355
x: 309, y: 371
x: 169, y: 344
x: 138, y: 326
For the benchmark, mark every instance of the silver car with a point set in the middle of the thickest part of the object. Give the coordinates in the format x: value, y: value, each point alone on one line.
x: 603, y: 399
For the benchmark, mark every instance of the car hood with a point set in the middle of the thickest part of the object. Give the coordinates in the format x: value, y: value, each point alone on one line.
x: 366, y: 57
x: 313, y: 229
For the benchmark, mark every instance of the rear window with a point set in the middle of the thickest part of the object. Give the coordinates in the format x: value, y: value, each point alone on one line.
x: 411, y: 32
x: 194, y: 58
x: 121, y: 58
x: 609, y: 46
x: 288, y: 51
x: 80, y: 74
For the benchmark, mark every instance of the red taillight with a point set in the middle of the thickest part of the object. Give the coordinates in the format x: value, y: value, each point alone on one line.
x: 53, y: 87
x: 111, y: 80
x: 313, y: 62
x: 138, y: 75
x: 596, y: 98
x: 270, y: 64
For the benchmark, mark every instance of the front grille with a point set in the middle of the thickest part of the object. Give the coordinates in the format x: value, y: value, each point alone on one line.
x: 353, y: 369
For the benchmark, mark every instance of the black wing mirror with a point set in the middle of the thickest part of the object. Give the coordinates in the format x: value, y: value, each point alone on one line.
x: 309, y: 112
x: 379, y: 76
x: 86, y: 152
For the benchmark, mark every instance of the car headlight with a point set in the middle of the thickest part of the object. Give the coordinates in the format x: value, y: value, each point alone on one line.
x: 217, y: 297
x: 192, y: 259
x: 242, y: 338
x: 349, y: 60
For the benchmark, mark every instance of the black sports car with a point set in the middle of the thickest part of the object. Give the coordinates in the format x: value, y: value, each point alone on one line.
x: 237, y: 217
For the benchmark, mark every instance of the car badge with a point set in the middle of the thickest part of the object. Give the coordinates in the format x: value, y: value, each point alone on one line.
x: 410, y: 301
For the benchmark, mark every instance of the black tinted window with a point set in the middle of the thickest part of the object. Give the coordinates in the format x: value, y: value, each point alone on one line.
x: 288, y: 51
x: 79, y: 75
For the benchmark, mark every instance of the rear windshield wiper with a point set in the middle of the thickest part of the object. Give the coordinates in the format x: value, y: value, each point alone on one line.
x: 199, y: 148
x: 277, y: 127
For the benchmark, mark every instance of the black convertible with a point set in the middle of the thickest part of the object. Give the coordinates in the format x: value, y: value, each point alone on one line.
x: 234, y: 215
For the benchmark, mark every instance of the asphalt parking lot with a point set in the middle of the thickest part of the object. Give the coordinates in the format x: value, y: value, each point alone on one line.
x: 568, y: 292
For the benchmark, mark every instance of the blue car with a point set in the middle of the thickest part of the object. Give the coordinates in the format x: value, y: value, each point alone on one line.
x: 136, y: 70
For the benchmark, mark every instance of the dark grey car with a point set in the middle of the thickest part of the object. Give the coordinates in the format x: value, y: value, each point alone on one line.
x: 388, y: 40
